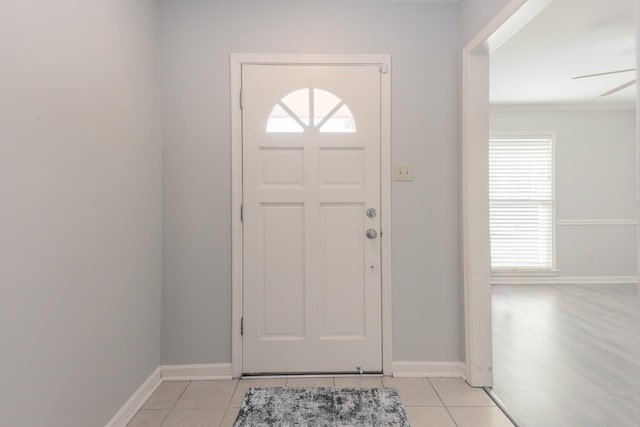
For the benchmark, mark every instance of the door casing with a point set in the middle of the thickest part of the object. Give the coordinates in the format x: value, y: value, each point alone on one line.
x: 475, y: 183
x: 237, y: 60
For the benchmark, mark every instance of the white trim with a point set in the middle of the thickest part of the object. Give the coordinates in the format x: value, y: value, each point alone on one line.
x: 524, y: 273
x: 236, y: 224
x: 237, y: 60
x: 568, y: 280
x: 541, y: 134
x: 511, y: 19
x: 567, y: 222
x: 526, y: 108
x: 385, y: 218
x: 475, y: 220
x: 307, y: 59
x: 206, y: 371
x: 475, y: 183
x: 637, y: 134
x: 269, y: 377
x: 137, y: 400
x: 429, y: 369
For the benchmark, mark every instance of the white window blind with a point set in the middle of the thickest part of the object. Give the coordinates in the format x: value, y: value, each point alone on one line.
x: 521, y: 203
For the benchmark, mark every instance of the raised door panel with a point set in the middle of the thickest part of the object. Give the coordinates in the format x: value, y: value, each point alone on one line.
x: 282, y: 281
x: 343, y: 279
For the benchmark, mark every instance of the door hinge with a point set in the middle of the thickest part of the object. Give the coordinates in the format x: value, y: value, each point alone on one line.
x: 241, y: 99
x: 384, y: 68
x: 242, y: 326
x: 241, y: 213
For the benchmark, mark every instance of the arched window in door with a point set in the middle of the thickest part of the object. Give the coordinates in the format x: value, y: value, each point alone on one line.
x: 311, y: 108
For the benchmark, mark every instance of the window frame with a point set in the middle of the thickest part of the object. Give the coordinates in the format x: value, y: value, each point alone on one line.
x: 524, y: 272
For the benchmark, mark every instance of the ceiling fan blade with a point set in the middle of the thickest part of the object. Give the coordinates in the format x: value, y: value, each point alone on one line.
x: 619, y: 88
x: 604, y: 74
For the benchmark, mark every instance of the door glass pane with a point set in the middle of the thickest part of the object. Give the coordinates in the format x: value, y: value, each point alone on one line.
x: 341, y: 122
x: 281, y: 122
x: 323, y: 103
x: 298, y: 103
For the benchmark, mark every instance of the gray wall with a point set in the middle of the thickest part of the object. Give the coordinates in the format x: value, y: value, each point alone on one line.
x: 595, y: 179
x: 197, y: 37
x: 80, y: 219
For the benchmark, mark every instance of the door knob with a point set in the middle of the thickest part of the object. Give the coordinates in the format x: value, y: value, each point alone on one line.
x: 371, y: 233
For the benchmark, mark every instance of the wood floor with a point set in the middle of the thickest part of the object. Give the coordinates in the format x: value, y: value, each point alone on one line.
x: 568, y: 355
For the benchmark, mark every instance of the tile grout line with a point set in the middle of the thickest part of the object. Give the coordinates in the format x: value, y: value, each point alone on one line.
x: 446, y: 408
x: 226, y: 411
x: 181, y: 394
x: 226, y: 408
x: 175, y: 403
x: 436, y: 391
x: 165, y: 417
x: 451, y: 416
x: 233, y: 393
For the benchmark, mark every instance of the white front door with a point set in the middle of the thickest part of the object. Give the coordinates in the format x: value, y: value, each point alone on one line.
x: 311, y: 194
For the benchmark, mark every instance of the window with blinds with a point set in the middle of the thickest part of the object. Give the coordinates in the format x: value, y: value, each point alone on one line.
x: 521, y: 203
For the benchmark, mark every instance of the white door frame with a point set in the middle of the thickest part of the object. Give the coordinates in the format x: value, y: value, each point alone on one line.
x: 237, y: 60
x: 475, y: 183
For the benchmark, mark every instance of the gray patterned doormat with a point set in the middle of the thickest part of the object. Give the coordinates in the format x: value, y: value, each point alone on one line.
x: 311, y: 407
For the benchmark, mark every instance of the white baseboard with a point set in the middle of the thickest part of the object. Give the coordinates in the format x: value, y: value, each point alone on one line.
x: 135, y: 402
x: 223, y: 371
x: 562, y: 222
x: 210, y: 371
x: 557, y: 280
x: 429, y: 369
x: 207, y: 371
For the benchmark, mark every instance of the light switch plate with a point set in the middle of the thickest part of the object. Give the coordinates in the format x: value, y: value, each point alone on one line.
x: 402, y: 172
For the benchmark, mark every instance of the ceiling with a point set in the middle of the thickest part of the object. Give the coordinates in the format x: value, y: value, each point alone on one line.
x: 570, y: 38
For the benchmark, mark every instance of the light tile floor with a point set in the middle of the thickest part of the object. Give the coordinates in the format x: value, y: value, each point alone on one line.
x: 430, y: 402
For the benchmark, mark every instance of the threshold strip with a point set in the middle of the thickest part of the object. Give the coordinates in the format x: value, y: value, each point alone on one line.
x: 500, y: 405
